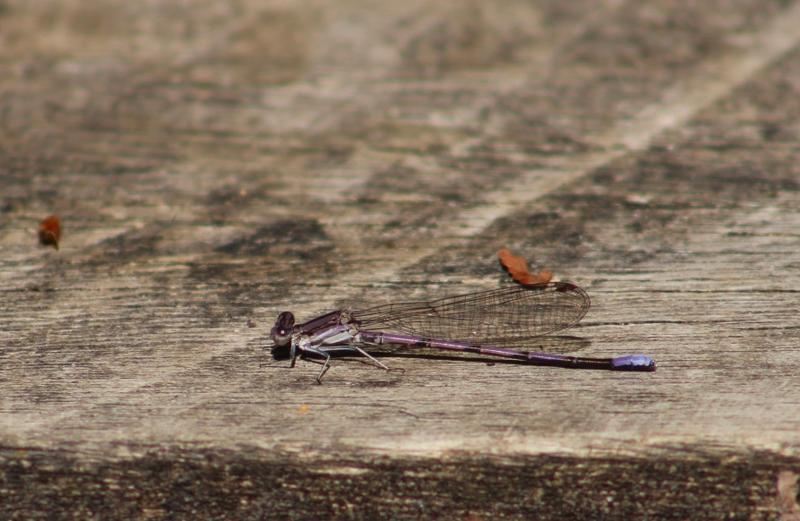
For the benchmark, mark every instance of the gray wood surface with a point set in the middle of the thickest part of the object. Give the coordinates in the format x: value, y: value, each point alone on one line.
x: 214, y: 164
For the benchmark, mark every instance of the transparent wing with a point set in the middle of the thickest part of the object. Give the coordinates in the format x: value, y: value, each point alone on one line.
x: 508, y: 316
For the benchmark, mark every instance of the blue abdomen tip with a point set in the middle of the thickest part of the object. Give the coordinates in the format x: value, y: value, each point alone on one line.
x: 633, y: 363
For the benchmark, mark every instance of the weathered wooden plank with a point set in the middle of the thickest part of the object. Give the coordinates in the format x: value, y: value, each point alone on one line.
x: 213, y: 166
x: 245, y: 485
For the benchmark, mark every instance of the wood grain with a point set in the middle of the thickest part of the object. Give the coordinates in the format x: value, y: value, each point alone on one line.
x: 215, y: 164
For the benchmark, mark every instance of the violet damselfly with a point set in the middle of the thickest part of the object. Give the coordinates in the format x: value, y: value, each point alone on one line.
x: 492, y: 322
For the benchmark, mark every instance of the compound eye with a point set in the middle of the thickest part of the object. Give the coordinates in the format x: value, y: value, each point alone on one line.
x: 282, y: 330
x: 285, y: 321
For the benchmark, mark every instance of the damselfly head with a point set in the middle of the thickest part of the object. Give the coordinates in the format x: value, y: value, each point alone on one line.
x: 281, y: 335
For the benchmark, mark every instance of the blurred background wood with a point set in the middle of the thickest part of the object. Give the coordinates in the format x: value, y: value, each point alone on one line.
x: 213, y: 164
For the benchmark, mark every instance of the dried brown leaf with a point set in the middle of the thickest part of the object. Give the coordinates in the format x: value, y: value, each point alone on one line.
x: 519, y: 271
x: 50, y: 231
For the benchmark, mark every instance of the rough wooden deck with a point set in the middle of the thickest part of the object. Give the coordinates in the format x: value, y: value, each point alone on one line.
x: 215, y: 163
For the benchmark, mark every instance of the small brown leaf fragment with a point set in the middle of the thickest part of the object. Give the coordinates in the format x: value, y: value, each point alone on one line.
x: 518, y: 269
x: 543, y: 277
x: 50, y: 231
